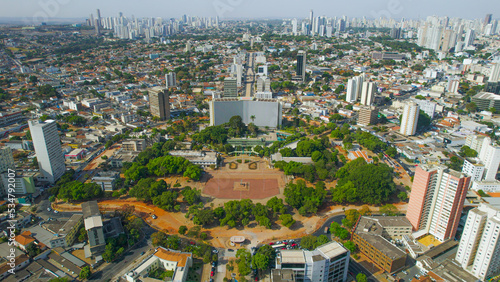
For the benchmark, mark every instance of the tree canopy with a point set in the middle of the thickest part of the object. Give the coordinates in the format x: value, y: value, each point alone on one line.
x: 359, y: 182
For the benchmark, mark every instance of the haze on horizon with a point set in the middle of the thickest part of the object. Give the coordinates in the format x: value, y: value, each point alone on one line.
x: 230, y: 9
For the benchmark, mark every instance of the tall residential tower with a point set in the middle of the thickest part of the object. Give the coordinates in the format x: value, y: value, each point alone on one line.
x: 436, y: 200
x: 48, y: 149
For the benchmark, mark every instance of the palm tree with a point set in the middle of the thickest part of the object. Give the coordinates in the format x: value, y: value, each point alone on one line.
x: 252, y: 117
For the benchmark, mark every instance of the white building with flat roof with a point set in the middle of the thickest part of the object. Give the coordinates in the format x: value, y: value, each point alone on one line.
x: 328, y: 262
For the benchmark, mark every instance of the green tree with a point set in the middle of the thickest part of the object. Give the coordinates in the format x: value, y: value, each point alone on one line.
x: 403, y: 196
x: 191, y: 196
x: 84, y: 273
x: 243, y: 259
x: 471, y: 107
x: 287, y: 220
x: 308, y: 242
x: 260, y: 261
x: 350, y: 246
x: 360, y: 277
x: 389, y: 210
x: 182, y: 229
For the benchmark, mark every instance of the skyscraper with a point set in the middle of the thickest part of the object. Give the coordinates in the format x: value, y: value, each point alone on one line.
x: 48, y: 149
x: 159, y: 102
x: 301, y: 64
x: 368, y: 93
x: 479, y: 248
x: 230, y: 87
x: 436, y: 200
x: 311, y: 20
x: 171, y: 79
x: 487, y: 19
x: 98, y: 23
x: 410, y: 119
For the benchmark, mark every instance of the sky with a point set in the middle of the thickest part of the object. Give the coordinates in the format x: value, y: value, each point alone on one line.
x: 230, y: 9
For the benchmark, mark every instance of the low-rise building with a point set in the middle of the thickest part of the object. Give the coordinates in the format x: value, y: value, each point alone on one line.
x: 176, y: 261
x: 372, y: 235
x: 134, y: 145
x: 201, y: 158
x: 106, y: 180
x: 328, y: 262
x: 66, y: 235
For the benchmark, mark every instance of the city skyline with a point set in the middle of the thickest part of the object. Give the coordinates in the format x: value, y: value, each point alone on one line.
x: 257, y: 9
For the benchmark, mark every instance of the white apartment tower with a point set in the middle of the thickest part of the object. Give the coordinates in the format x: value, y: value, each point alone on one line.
x: 171, y: 80
x: 48, y: 149
x: 351, y: 95
x: 410, y: 119
x: 490, y: 156
x: 495, y: 73
x: 475, y: 142
x: 368, y: 93
x: 479, y: 248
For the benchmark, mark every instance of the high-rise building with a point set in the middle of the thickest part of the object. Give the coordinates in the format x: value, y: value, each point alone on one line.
x: 263, y: 84
x: 368, y: 116
x: 436, y: 200
x: 475, y: 142
x: 171, y: 80
x: 479, y: 248
x: 487, y: 19
x: 230, y: 87
x: 98, y: 23
x: 48, y: 149
x: 490, y: 156
x: 351, y: 95
x: 495, y: 73
x: 470, y: 36
x: 368, y: 93
x: 301, y: 64
x: 453, y: 86
x: 311, y: 20
x: 6, y: 159
x: 328, y: 262
x: 294, y: 27
x: 159, y: 102
x: 410, y: 119
x: 473, y: 169
x: 359, y: 85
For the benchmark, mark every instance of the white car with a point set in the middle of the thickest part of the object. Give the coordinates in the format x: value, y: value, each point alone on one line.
x: 154, y: 216
x: 56, y: 212
x: 49, y: 209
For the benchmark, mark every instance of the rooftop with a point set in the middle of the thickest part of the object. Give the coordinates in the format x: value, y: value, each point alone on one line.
x: 179, y: 257
x: 292, y: 256
x: 90, y: 209
x: 383, y: 245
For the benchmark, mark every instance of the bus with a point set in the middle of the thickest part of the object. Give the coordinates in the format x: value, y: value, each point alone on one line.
x: 278, y: 246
